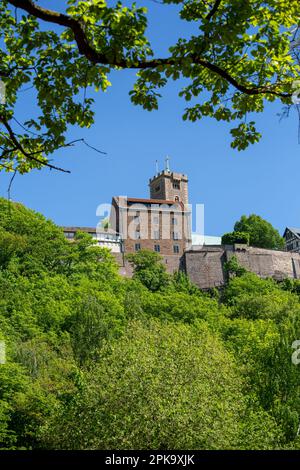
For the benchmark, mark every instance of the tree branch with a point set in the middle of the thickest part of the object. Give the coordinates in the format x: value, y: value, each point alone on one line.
x: 96, y: 57
x: 29, y: 156
x: 10, y: 185
x: 213, y: 10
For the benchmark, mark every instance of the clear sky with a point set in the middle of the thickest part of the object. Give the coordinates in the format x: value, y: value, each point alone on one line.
x: 261, y: 180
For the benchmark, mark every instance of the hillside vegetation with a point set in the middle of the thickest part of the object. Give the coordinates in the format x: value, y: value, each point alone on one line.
x: 96, y: 361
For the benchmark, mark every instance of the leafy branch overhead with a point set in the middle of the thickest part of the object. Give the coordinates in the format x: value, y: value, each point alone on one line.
x: 244, y: 53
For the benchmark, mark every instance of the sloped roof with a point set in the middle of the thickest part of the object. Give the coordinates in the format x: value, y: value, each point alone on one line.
x: 151, y: 201
x: 79, y: 229
x: 135, y: 200
x: 97, y: 230
x: 294, y: 230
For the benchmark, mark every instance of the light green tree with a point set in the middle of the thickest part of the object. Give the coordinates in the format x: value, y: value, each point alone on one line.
x: 261, y: 233
x: 162, y: 386
x: 148, y: 268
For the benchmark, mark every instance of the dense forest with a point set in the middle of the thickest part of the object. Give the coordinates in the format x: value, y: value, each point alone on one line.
x: 97, y: 361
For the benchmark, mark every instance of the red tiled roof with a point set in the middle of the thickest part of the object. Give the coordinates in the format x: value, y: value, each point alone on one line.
x: 150, y: 201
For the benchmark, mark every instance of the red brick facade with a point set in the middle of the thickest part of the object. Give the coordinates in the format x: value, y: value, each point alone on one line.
x: 161, y: 225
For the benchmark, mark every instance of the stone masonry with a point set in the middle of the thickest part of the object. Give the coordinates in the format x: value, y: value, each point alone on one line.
x: 205, y: 266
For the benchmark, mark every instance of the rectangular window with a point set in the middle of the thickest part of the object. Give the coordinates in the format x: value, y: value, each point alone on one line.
x: 157, y: 188
x: 157, y: 248
x: 174, y: 221
x: 137, y: 247
x: 176, y: 248
x: 156, y: 234
x: 69, y: 234
x: 175, y: 235
x: 176, y: 184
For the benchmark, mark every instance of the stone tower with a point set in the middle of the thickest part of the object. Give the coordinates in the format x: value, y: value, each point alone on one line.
x: 169, y: 186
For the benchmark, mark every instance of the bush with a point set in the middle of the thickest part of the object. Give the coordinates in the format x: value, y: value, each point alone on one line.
x: 235, y: 237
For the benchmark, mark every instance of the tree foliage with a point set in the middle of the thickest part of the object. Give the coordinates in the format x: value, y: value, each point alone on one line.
x: 233, y: 268
x: 148, y: 268
x: 161, y: 386
x: 96, y: 361
x: 243, y: 54
x: 261, y: 233
x: 235, y: 237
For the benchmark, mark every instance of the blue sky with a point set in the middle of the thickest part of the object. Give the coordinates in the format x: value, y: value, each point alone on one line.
x: 261, y: 180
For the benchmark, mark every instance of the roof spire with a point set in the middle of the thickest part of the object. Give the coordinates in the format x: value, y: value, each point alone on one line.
x: 167, y: 160
x: 156, y: 167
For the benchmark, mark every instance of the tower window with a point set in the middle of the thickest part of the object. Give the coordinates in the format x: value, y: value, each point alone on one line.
x: 175, y: 248
x: 137, y: 247
x: 157, y: 248
x: 176, y: 184
x: 157, y: 188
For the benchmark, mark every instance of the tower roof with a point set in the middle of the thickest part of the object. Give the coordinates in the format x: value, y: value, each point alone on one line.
x: 169, y: 174
x: 133, y: 200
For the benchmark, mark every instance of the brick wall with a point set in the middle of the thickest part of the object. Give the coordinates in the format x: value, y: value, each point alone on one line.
x: 164, y: 229
x: 172, y: 263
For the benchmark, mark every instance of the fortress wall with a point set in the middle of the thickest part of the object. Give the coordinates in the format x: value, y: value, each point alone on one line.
x: 296, y: 264
x: 256, y: 260
x: 172, y: 263
x: 267, y: 263
x: 284, y: 265
x: 205, y: 267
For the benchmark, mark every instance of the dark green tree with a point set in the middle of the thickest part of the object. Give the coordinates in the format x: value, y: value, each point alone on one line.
x: 235, y: 237
x: 261, y: 233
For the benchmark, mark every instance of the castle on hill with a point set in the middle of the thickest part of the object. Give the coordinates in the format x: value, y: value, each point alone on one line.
x: 162, y: 223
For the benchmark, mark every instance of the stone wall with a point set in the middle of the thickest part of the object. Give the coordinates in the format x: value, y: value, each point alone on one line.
x: 172, y: 262
x: 161, y: 186
x: 205, y: 266
x: 268, y: 263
